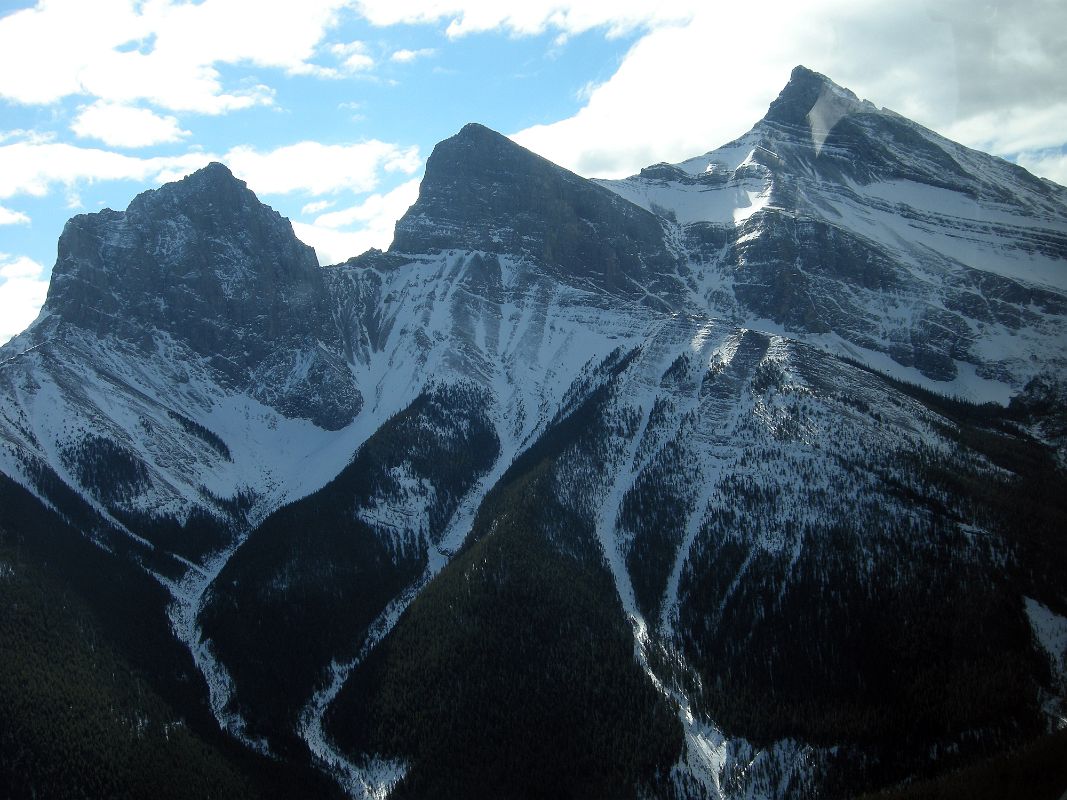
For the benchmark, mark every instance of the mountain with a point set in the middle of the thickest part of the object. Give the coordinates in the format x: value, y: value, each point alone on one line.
x: 875, y: 237
x: 740, y: 477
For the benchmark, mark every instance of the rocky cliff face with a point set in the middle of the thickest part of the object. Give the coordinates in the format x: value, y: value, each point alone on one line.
x: 184, y: 258
x: 484, y: 192
x: 204, y: 263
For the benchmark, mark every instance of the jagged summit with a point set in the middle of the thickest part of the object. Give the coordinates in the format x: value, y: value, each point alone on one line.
x: 812, y: 99
x: 212, y: 187
x: 476, y: 132
x: 202, y: 262
x: 482, y: 191
x: 836, y: 218
x: 215, y: 170
x: 213, y: 174
x: 817, y: 127
x: 198, y: 248
x: 472, y: 180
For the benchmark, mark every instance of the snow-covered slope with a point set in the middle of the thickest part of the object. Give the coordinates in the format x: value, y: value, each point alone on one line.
x: 859, y: 230
x: 681, y: 385
x: 191, y: 332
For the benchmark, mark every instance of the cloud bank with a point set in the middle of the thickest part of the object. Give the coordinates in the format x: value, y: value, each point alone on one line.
x: 23, y: 286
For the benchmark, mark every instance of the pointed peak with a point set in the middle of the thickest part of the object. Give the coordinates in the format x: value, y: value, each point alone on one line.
x: 475, y: 149
x: 474, y: 136
x: 469, y: 172
x: 213, y: 182
x: 216, y: 169
x: 214, y: 173
x: 476, y: 130
x: 483, y: 192
x: 805, y: 90
x: 802, y: 75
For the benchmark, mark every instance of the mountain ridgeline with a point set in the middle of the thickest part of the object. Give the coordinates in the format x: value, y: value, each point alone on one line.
x: 744, y: 476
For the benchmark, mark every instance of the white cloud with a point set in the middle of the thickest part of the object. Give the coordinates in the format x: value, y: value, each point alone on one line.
x: 25, y: 135
x: 67, y: 47
x: 268, y: 33
x: 37, y: 168
x: 125, y: 126
x: 1010, y: 130
x: 342, y: 234
x: 358, y: 62
x: 378, y: 209
x: 22, y: 293
x: 10, y: 217
x: 353, y: 56
x: 333, y: 246
x: 167, y: 82
x: 407, y: 56
x: 12, y: 268
x: 320, y: 168
x: 684, y: 89
x: 528, y: 17
x: 316, y: 207
x: 43, y: 49
x: 1051, y: 165
x: 669, y: 99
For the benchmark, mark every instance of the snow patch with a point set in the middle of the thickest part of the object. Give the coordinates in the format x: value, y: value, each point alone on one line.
x: 1050, y: 632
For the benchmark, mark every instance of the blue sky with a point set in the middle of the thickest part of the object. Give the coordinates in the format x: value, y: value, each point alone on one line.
x: 329, y: 108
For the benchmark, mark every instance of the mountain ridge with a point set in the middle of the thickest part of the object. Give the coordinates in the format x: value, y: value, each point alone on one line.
x: 645, y: 414
x: 866, y: 258
x: 481, y: 177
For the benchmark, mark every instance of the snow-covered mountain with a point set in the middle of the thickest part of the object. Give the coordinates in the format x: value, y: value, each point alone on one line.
x: 860, y: 230
x: 705, y: 482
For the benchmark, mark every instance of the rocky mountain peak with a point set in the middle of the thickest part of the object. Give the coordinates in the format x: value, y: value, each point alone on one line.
x: 204, y: 262
x: 816, y: 126
x: 214, y: 177
x: 802, y: 95
x: 828, y: 206
x: 211, y: 199
x: 193, y: 252
x: 471, y: 180
x: 484, y: 192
